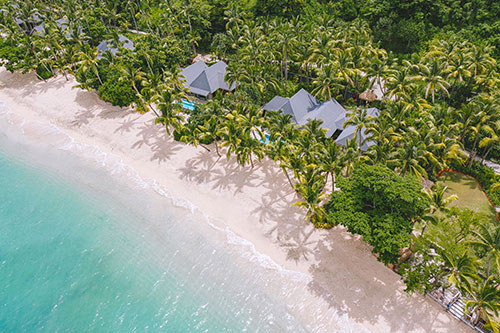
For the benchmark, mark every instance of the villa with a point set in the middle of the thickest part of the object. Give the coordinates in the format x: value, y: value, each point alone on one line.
x: 204, y: 81
x: 62, y: 24
x: 303, y: 106
x: 108, y: 46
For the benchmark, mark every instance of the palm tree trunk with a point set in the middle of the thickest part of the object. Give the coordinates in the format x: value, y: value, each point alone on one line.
x: 487, y: 153
x: 288, y: 177
x: 473, y: 151
x: 333, y: 181
x: 205, y: 147
x: 489, y: 265
x: 133, y: 18
x: 216, y: 147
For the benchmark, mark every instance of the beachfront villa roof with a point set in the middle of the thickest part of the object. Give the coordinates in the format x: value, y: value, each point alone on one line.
x: 350, y: 131
x: 107, y: 46
x: 303, y: 106
x: 202, y: 80
x: 61, y: 24
x: 191, y: 72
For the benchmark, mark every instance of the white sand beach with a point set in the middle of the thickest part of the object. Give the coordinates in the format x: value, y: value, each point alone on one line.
x: 256, y: 204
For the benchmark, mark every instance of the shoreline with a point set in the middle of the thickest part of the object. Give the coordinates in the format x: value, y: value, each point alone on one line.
x: 255, y: 204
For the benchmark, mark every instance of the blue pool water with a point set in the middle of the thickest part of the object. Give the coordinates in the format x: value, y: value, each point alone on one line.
x: 188, y: 105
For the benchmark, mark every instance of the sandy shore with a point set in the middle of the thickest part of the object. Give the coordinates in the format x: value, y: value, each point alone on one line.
x: 254, y: 203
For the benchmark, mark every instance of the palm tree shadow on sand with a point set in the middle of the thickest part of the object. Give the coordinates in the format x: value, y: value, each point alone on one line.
x: 159, y: 142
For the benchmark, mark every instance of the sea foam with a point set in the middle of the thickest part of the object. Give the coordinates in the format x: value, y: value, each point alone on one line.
x: 34, y: 132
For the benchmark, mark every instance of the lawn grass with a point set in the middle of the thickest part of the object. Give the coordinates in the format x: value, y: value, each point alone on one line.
x: 469, y: 193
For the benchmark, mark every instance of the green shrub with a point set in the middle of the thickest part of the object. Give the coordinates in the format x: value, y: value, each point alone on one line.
x: 118, y: 93
x: 43, y: 73
x: 379, y: 205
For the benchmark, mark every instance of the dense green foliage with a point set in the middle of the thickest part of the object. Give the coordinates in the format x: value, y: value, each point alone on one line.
x: 379, y: 205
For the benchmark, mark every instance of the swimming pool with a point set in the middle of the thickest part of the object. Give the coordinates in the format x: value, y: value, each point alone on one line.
x: 267, y: 139
x: 188, y: 105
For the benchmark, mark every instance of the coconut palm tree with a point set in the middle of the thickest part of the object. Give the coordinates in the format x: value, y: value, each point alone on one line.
x: 432, y: 76
x: 310, y: 187
x: 492, y: 140
x: 438, y: 205
x: 331, y: 160
x: 88, y: 61
x: 360, y: 119
x: 489, y: 241
x: 400, y: 81
x: 170, y: 108
x: 485, y: 299
x: 326, y: 83
x: 460, y: 269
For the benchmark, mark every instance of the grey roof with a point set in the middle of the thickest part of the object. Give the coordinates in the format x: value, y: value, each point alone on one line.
x: 191, y: 72
x: 61, y: 23
x: 104, y: 46
x: 202, y: 80
x: 303, y: 106
x: 39, y: 29
x: 330, y: 112
x: 275, y: 104
x: 350, y: 130
x: 297, y: 106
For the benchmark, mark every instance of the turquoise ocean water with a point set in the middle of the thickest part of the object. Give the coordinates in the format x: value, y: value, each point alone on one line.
x: 83, y: 250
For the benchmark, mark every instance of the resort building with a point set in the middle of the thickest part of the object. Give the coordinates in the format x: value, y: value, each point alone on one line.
x: 62, y: 24
x: 108, y: 46
x: 350, y: 131
x: 303, y: 106
x: 204, y: 81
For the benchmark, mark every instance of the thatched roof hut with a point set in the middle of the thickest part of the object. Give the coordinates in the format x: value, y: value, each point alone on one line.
x: 368, y: 95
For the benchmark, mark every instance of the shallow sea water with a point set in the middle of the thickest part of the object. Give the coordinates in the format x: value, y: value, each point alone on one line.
x: 86, y: 245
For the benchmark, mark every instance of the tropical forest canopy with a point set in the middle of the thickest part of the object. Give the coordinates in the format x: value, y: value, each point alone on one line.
x: 435, y: 63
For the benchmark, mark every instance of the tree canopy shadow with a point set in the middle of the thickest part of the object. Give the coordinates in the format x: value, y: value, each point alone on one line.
x: 161, y: 144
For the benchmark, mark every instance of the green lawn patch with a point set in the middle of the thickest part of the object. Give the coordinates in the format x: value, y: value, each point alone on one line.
x: 469, y: 193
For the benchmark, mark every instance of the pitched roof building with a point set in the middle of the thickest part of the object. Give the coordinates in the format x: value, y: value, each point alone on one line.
x: 61, y: 23
x: 303, y: 106
x: 107, y: 46
x: 350, y: 131
x: 202, y: 80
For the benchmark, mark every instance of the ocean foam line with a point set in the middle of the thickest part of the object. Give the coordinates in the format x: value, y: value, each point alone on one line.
x: 116, y: 167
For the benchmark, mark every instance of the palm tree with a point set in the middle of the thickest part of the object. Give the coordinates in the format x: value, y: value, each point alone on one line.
x: 485, y: 300
x: 378, y: 71
x: 170, y: 109
x: 400, y: 81
x: 491, y: 141
x: 410, y: 157
x: 88, y: 61
x: 331, y: 161
x: 210, y: 129
x: 431, y: 76
x: 310, y: 188
x: 490, y: 242
x: 438, y: 204
x: 460, y: 269
x: 326, y: 83
x: 360, y: 119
